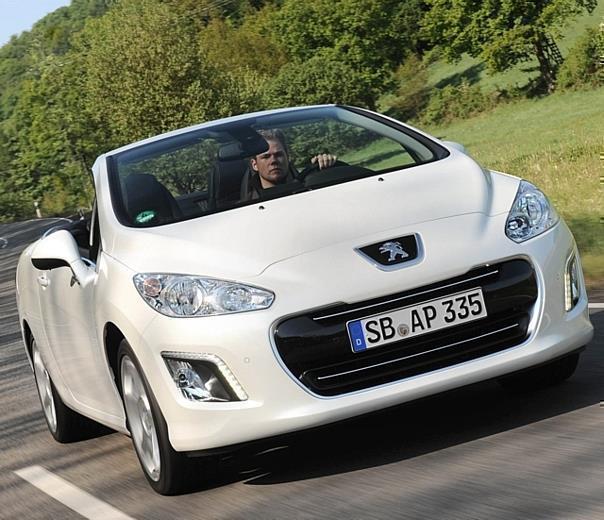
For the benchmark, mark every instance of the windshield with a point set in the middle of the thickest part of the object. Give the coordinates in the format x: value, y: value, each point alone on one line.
x: 241, y: 162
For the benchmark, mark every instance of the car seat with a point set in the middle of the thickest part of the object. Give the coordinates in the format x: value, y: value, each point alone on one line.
x: 226, y: 181
x: 148, y: 201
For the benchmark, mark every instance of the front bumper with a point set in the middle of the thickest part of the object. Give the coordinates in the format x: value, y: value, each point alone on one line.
x: 278, y: 403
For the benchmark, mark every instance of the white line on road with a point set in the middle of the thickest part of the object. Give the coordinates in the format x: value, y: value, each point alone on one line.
x: 596, y: 305
x: 69, y: 495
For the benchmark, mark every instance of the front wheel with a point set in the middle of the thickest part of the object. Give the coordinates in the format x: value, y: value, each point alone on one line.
x: 167, y: 471
x: 64, y: 424
x: 543, y: 376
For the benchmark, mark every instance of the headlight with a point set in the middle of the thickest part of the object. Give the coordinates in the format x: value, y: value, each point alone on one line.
x: 531, y: 214
x: 186, y: 296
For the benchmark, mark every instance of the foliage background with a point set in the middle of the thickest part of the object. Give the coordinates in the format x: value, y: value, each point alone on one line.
x: 102, y: 73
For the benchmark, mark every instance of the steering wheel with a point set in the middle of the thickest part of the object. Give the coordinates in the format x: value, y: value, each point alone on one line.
x: 313, y: 169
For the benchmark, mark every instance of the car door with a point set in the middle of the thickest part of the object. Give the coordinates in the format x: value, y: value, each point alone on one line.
x: 67, y: 310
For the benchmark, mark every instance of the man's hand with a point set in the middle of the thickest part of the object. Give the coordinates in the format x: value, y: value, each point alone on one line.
x: 324, y: 160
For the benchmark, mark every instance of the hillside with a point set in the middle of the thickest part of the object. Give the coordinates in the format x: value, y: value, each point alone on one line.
x: 554, y: 142
x: 442, y: 73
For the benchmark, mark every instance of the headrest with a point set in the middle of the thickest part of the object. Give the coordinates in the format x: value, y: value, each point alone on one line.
x: 148, y: 200
x: 227, y: 177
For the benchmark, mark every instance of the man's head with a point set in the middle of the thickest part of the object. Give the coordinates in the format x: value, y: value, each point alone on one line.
x: 273, y: 165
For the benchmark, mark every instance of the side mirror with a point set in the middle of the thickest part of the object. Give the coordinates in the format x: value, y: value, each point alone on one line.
x: 457, y: 146
x: 59, y: 249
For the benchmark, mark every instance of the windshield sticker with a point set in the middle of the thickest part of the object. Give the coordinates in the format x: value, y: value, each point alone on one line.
x: 145, y: 216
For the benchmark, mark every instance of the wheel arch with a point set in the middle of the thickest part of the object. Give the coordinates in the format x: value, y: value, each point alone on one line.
x: 112, y: 337
x: 27, y: 337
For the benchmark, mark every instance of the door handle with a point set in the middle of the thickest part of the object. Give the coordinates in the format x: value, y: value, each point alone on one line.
x: 43, y: 281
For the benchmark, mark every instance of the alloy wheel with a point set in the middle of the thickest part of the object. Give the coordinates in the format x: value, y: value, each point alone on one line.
x: 45, y: 390
x: 140, y: 419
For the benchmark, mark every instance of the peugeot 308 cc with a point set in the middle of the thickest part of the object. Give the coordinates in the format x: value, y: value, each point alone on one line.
x: 281, y: 270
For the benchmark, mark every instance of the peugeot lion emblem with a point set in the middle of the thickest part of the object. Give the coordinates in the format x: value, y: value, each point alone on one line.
x: 393, y: 249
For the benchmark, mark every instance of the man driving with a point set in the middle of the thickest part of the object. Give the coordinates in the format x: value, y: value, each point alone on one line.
x: 273, y: 167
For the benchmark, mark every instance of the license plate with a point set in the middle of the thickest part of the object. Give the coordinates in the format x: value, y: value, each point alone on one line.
x: 415, y: 320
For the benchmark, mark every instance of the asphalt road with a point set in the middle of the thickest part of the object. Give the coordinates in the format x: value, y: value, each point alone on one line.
x: 475, y: 453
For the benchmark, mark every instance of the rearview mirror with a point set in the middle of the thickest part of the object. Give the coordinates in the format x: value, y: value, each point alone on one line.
x: 248, y: 143
x: 234, y: 151
x: 59, y: 249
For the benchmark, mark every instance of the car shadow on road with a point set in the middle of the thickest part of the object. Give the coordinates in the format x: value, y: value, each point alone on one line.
x: 414, y: 429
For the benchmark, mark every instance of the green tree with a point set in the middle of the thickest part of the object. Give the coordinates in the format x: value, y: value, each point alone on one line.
x: 580, y: 67
x: 40, y: 151
x: 247, y: 57
x: 50, y: 35
x: 502, y: 33
x: 202, y: 12
x: 371, y: 33
x: 368, y: 37
x: 54, y: 137
x: 240, y: 48
x: 411, y: 95
x: 323, y: 78
x: 55, y: 30
x: 146, y: 75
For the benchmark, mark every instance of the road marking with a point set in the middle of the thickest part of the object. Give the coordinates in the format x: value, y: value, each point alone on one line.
x: 596, y: 305
x: 3, y: 242
x: 69, y: 495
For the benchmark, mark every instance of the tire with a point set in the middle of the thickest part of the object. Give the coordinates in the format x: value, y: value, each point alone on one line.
x: 64, y: 424
x: 541, y: 377
x: 167, y: 471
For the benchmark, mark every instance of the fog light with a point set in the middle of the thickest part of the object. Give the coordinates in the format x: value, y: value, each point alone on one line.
x: 203, y: 377
x: 572, y: 282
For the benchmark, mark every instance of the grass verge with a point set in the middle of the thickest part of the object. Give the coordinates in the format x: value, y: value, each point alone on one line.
x: 555, y: 143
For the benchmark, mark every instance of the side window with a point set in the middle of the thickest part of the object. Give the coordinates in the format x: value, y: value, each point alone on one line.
x: 167, y: 185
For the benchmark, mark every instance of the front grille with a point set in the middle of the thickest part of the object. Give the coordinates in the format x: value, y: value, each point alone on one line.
x: 316, y: 349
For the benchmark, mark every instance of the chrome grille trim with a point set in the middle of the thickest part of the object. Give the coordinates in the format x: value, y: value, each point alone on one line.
x: 331, y: 376
x: 356, y: 309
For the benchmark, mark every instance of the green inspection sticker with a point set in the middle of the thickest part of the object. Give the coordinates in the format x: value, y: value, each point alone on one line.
x: 145, y: 216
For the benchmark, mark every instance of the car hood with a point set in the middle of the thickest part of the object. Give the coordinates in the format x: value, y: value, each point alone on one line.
x: 241, y: 243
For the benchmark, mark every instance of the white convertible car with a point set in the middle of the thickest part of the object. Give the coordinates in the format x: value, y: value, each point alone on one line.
x: 277, y: 271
